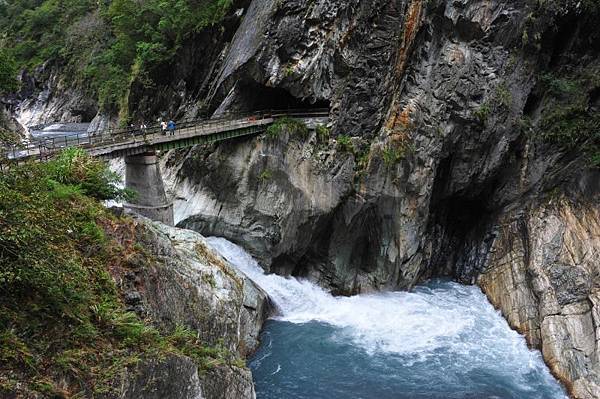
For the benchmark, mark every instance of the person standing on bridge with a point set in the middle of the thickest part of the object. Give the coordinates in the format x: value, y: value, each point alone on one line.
x: 163, y: 127
x: 171, y: 127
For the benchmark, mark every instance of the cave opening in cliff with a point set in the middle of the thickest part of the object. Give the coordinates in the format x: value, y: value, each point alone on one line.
x: 259, y: 97
x: 532, y: 104
x: 458, y: 221
x: 460, y: 224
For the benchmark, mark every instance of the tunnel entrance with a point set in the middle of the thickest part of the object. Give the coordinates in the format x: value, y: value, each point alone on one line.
x: 256, y: 97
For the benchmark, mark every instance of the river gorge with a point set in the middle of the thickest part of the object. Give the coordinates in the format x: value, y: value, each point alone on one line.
x: 442, y: 340
x: 401, y: 199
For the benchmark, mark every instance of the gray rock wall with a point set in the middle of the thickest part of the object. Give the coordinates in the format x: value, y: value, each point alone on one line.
x: 544, y: 275
x: 173, y: 377
x: 274, y: 196
x: 187, y: 284
x: 453, y: 86
x: 47, y: 96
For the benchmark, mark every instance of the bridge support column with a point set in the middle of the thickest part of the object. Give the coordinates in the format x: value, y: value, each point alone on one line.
x: 142, y: 175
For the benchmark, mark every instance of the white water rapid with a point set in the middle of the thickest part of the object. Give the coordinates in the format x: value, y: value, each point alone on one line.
x: 442, y: 325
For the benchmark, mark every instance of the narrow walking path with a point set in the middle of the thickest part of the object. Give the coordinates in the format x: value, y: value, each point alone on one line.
x: 132, y: 141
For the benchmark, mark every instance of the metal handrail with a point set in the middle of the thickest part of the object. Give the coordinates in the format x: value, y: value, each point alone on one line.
x: 47, y: 147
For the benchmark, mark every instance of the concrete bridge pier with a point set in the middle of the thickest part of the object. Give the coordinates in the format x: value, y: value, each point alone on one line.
x: 142, y: 175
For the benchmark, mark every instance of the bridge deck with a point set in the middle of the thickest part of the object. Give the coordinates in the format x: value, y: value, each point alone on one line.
x: 114, y: 144
x: 182, y: 137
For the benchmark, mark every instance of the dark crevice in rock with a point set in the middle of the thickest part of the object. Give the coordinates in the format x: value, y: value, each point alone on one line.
x: 460, y: 224
x: 532, y: 104
x: 86, y: 115
x: 594, y: 100
x: 317, y: 251
x: 566, y: 35
x: 253, y: 96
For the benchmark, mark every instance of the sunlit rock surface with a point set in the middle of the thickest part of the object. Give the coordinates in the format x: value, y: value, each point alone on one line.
x: 189, y: 284
x: 544, y: 275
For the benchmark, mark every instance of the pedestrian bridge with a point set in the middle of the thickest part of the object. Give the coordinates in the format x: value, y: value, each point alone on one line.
x: 139, y: 148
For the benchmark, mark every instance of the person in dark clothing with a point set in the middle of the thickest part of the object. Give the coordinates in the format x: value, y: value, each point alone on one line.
x: 171, y: 127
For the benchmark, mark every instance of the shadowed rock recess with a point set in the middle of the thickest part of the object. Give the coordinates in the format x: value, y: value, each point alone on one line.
x: 451, y: 168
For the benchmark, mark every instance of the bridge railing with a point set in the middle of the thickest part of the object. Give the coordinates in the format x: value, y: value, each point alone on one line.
x: 47, y: 147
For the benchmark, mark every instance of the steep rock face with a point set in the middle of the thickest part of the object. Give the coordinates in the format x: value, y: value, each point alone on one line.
x: 47, y: 96
x: 458, y: 95
x: 431, y: 71
x: 543, y: 274
x: 8, y: 122
x: 188, y: 284
x: 274, y: 196
x: 174, y: 377
x: 297, y: 54
x: 193, y: 285
x: 178, y: 378
x: 302, y: 54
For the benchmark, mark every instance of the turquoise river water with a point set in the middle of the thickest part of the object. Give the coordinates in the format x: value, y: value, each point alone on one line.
x: 443, y: 340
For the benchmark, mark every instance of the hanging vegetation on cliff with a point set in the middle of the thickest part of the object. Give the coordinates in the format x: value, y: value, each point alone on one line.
x: 106, y: 44
x: 64, y: 330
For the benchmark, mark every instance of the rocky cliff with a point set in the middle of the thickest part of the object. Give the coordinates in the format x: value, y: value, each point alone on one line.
x: 452, y: 138
x: 474, y: 152
x: 542, y: 273
x: 187, y: 284
x: 456, y: 103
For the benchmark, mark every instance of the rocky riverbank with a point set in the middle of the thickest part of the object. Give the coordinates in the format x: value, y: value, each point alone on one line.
x: 542, y: 273
x: 187, y: 284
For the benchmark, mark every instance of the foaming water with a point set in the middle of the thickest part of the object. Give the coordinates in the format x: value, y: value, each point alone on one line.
x: 443, y: 340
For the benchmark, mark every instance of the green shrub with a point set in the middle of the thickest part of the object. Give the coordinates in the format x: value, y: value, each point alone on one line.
x: 287, y: 125
x: 61, y: 317
x: 7, y: 137
x: 391, y: 155
x: 344, y: 143
x: 503, y: 96
x: 559, y: 87
x: 482, y: 113
x: 396, y: 152
x: 567, y: 124
x: 75, y: 168
x: 567, y: 118
x: 265, y: 175
x: 8, y: 72
x: 288, y: 71
x: 594, y: 157
x: 323, y: 133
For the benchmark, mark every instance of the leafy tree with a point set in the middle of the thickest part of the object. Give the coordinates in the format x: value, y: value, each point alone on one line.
x: 105, y: 45
x: 8, y: 72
